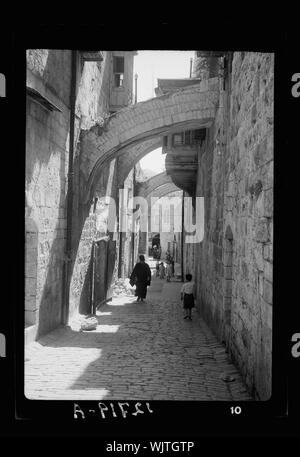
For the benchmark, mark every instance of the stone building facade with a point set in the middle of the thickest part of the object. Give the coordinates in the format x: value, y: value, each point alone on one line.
x: 46, y: 184
x: 233, y: 264
x: 232, y: 168
x: 230, y: 105
x: 49, y: 135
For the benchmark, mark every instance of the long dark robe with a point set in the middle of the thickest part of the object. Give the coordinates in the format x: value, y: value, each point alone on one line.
x: 142, y: 274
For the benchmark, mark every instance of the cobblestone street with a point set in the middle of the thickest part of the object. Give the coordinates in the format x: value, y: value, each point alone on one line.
x: 181, y: 173
x: 139, y: 351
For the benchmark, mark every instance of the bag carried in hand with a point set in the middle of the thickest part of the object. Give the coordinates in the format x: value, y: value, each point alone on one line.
x: 132, y: 281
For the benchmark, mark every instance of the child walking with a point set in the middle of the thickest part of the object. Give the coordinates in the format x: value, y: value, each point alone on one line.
x: 187, y: 295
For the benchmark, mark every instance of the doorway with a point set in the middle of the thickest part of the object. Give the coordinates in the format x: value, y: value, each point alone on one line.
x: 104, y: 257
x: 155, y: 251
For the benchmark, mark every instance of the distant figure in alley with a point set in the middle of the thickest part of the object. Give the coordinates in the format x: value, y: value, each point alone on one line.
x: 162, y: 270
x: 157, y: 268
x: 169, y: 271
x: 141, y: 277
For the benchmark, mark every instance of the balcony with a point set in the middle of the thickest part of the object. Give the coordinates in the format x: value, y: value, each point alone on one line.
x: 182, y: 158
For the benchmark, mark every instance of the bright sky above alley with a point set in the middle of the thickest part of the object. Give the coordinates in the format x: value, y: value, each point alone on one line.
x: 149, y: 66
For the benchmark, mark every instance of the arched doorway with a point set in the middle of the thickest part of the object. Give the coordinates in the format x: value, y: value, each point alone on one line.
x: 155, y: 242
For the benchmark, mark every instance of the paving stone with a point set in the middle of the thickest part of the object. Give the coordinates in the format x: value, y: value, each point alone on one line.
x: 143, y: 351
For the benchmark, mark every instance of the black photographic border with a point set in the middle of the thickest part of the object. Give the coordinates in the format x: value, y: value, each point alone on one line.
x: 169, y: 419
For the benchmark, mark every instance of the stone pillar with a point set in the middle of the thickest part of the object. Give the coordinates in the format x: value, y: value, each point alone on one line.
x: 143, y: 242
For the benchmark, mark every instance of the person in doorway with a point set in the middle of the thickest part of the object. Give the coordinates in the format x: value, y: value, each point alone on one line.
x: 141, y: 276
x: 154, y: 251
x: 158, y: 252
x: 187, y: 295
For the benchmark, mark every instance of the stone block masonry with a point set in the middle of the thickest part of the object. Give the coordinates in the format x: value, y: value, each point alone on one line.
x: 236, y: 181
x: 90, y: 224
x: 99, y: 149
x: 47, y: 162
x: 46, y: 176
x: 233, y: 264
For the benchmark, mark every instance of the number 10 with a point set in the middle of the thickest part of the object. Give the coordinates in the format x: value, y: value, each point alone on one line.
x: 236, y: 410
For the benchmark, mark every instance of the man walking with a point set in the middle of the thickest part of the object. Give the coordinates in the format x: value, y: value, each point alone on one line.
x: 141, y: 276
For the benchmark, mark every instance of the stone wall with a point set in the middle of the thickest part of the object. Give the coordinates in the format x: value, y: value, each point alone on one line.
x: 93, y: 91
x: 123, y: 95
x: 90, y: 223
x: 138, y: 123
x: 46, y: 179
x: 53, y: 68
x: 206, y: 66
x: 90, y: 219
x: 47, y: 149
x: 234, y: 272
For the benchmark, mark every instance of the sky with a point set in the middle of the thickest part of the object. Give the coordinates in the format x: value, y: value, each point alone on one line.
x: 149, y: 66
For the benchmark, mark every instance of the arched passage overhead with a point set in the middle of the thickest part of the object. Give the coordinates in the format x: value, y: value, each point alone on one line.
x: 162, y: 191
x: 189, y: 108
x: 157, y: 186
x: 127, y: 161
x: 145, y: 188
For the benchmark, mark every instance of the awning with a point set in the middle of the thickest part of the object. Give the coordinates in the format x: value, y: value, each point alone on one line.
x: 92, y: 56
x: 41, y: 99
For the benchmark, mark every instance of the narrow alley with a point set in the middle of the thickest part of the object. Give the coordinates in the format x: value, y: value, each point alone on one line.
x: 142, y: 351
x: 176, y: 169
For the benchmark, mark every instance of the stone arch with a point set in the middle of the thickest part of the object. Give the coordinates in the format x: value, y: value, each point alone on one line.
x: 157, y: 194
x: 145, y: 189
x: 149, y: 191
x: 127, y: 161
x: 127, y: 136
x: 157, y: 181
x: 188, y: 108
x: 228, y: 284
x: 162, y: 191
